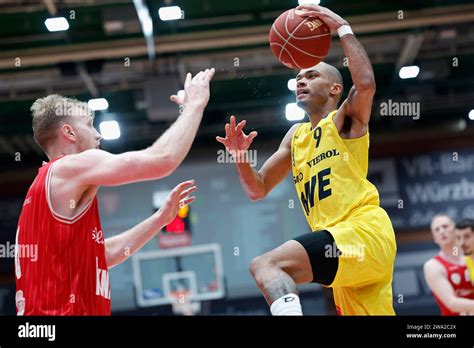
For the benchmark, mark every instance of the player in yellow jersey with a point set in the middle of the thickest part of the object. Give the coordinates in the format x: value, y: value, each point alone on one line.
x: 465, y: 239
x: 352, y: 247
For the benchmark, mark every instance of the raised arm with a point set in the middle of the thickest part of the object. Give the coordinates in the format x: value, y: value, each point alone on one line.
x: 359, y: 101
x: 257, y: 184
x: 100, y: 168
x: 119, y: 248
x: 440, y: 286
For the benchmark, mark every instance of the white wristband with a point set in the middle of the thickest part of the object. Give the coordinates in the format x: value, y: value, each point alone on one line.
x: 344, y: 30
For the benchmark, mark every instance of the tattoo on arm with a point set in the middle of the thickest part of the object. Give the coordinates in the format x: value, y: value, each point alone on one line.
x: 279, y: 287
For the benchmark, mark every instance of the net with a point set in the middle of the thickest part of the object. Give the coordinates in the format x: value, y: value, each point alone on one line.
x: 182, y: 304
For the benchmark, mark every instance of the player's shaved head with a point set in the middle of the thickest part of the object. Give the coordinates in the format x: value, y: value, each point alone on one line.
x: 332, y: 72
x: 334, y: 76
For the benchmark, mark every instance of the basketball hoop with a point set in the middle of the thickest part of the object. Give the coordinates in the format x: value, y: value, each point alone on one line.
x: 182, y: 304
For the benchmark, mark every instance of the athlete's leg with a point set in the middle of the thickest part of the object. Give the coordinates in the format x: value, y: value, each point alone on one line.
x: 278, y: 271
x: 298, y: 261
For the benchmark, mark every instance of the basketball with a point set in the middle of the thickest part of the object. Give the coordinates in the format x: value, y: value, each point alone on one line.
x: 299, y: 42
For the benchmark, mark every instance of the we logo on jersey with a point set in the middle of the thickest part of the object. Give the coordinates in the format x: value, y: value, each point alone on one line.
x: 319, y: 180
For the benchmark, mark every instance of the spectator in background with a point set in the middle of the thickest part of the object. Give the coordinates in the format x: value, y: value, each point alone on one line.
x: 446, y: 274
x: 465, y: 240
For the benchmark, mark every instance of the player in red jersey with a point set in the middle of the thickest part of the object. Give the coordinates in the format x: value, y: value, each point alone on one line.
x: 60, y: 224
x: 446, y: 274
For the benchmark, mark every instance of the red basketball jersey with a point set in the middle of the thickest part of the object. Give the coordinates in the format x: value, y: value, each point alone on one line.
x: 458, y: 277
x: 60, y: 264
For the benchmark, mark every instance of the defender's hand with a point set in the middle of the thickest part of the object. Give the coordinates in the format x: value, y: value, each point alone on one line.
x: 197, y: 89
x: 177, y: 198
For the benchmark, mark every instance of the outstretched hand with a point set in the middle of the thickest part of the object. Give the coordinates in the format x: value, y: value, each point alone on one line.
x: 176, y: 199
x: 235, y: 139
x: 196, y: 89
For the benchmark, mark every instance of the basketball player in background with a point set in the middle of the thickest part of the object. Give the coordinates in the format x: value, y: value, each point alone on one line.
x: 60, y: 214
x: 465, y: 239
x: 446, y: 274
x: 352, y: 247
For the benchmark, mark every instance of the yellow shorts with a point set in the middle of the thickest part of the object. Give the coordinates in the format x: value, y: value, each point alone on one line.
x: 363, y: 282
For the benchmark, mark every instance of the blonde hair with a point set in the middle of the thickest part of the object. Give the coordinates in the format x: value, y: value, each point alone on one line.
x: 50, y: 112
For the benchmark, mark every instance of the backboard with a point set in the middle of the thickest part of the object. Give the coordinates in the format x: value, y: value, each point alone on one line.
x: 158, y: 274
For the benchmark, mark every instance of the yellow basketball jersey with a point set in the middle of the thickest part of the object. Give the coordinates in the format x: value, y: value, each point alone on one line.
x: 470, y: 267
x: 330, y: 175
